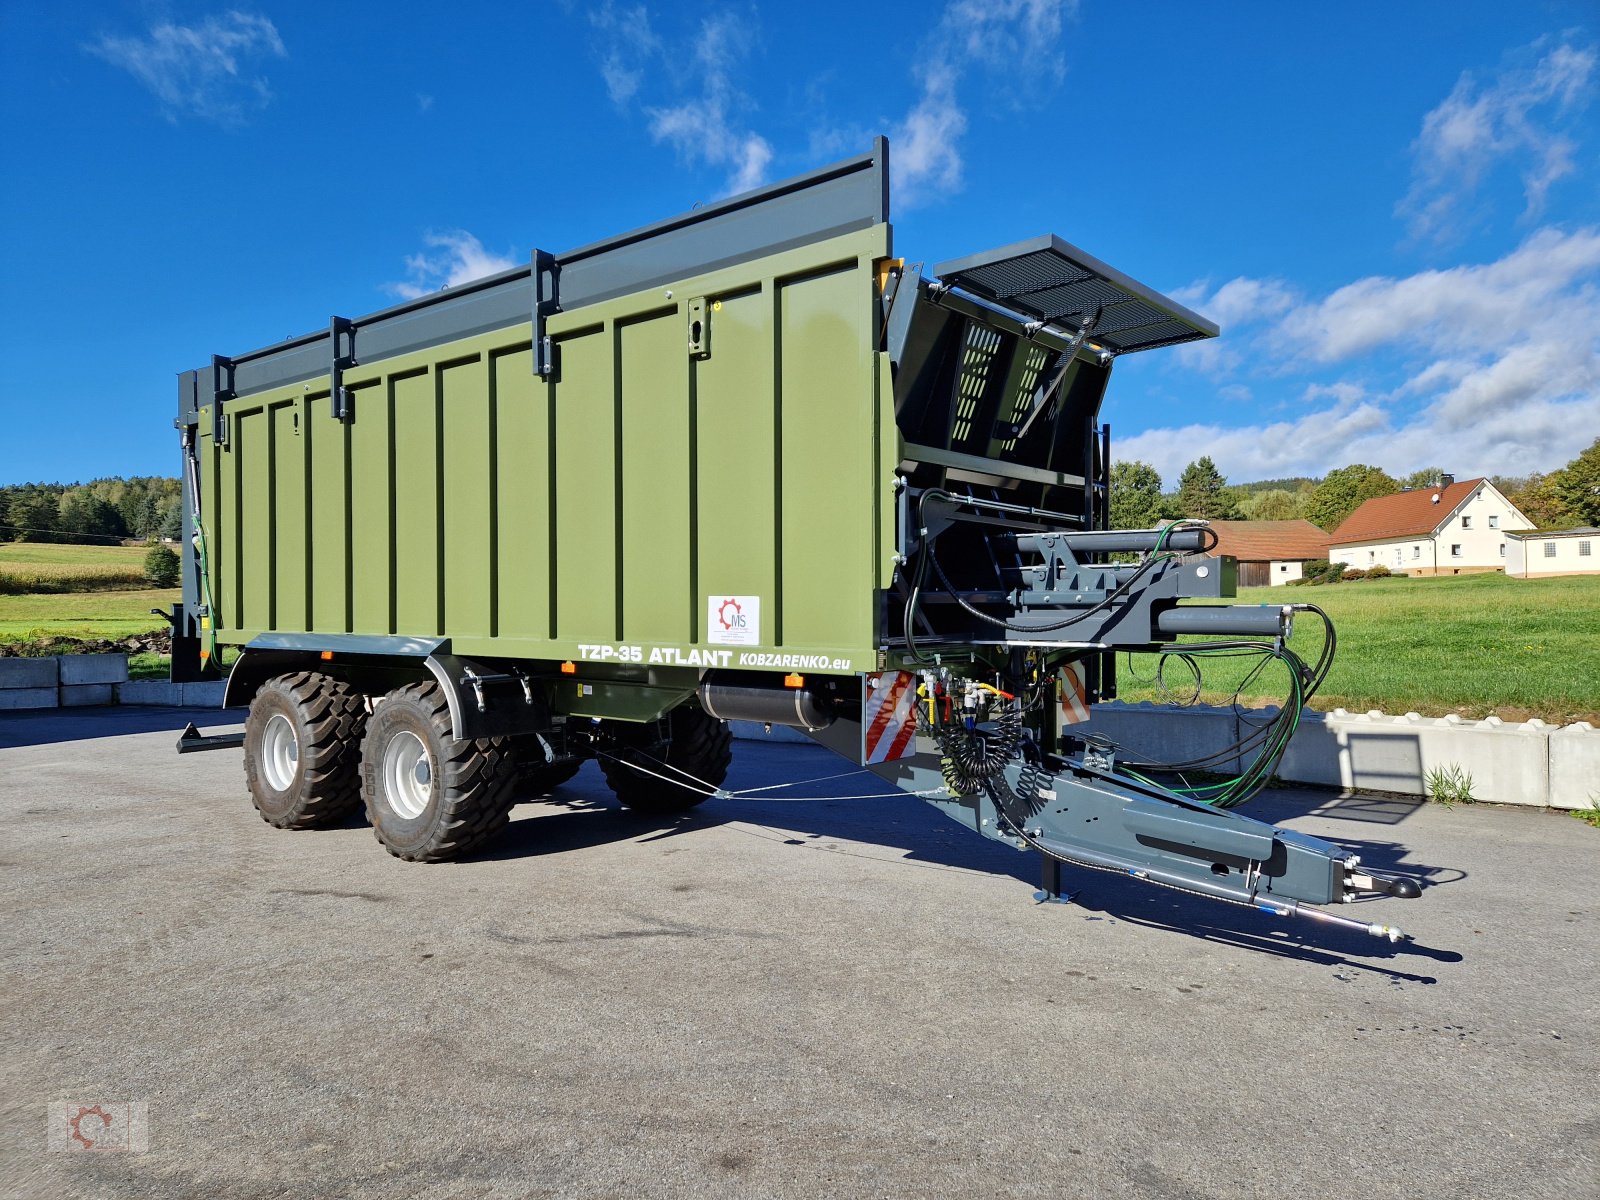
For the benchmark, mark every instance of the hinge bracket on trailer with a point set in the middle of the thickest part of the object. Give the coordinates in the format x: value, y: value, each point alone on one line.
x: 339, y: 395
x: 546, y: 281
x: 1041, y: 398
x: 221, y: 389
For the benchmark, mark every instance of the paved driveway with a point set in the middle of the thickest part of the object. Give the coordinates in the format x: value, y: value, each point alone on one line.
x: 824, y: 997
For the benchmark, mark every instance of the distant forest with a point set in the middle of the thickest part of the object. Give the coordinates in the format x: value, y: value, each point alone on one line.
x: 100, y: 512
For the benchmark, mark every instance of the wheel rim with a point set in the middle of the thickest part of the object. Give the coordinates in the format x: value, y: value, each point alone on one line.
x: 280, y: 752
x: 407, y: 774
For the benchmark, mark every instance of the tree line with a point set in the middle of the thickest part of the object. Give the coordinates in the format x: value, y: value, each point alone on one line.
x: 98, y: 512
x: 1564, y: 497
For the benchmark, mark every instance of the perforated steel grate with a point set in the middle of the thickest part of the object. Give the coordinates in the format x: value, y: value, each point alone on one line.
x: 1050, y: 280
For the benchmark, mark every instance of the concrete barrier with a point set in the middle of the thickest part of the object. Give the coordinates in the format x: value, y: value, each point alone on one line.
x: 27, y: 683
x: 1147, y: 732
x: 93, y: 668
x: 1575, y: 766
x: 164, y: 693
x: 14, y: 699
x: 29, y: 673
x: 86, y: 695
x: 1533, y: 763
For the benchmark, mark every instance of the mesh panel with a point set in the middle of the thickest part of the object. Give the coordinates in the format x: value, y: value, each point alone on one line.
x: 1049, y: 280
x: 1035, y: 358
x: 977, y: 359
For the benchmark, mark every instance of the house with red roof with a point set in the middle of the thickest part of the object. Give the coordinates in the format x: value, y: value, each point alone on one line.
x: 1270, y: 552
x: 1452, y: 529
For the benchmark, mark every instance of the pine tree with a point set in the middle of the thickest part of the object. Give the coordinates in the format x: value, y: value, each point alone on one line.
x: 1203, y: 492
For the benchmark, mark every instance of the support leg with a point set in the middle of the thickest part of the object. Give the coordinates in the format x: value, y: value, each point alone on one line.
x: 1050, y: 882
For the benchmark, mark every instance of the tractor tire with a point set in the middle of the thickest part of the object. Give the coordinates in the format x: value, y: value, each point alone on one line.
x: 430, y: 797
x: 688, y: 739
x: 302, y: 750
x: 538, y: 781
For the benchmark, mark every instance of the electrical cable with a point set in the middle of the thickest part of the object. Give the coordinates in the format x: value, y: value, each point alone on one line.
x: 1271, y: 738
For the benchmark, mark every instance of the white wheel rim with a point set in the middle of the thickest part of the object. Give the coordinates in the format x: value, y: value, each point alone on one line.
x: 280, y: 752
x: 407, y: 774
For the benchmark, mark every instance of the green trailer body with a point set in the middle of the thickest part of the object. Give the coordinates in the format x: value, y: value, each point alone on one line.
x: 743, y: 463
x: 600, y: 514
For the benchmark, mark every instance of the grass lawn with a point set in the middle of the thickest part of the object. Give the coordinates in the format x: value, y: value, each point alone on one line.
x: 1472, y: 644
x: 84, y: 614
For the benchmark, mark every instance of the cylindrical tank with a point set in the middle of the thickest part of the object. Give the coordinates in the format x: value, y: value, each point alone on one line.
x: 768, y: 703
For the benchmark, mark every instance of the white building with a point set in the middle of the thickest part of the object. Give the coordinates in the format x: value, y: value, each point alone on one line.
x: 1554, y: 552
x: 1454, y: 529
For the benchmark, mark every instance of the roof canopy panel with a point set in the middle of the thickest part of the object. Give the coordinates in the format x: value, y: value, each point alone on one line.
x: 1047, y: 279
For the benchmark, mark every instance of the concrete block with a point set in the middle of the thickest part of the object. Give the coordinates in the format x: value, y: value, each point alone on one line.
x: 94, y: 668
x: 204, y: 695
x: 14, y: 699
x: 1165, y: 732
x: 149, y: 691
x: 1509, y: 764
x: 1575, y: 766
x: 172, y: 695
x: 29, y: 673
x: 1373, y: 750
x: 1315, y: 755
x: 86, y: 695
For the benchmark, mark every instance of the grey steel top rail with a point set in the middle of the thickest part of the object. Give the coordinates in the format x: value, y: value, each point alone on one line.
x: 840, y: 198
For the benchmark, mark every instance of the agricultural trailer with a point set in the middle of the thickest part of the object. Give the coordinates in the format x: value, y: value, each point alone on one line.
x: 744, y: 464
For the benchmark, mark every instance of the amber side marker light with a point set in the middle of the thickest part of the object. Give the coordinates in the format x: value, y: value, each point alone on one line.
x: 568, y: 668
x: 796, y: 681
x: 326, y: 656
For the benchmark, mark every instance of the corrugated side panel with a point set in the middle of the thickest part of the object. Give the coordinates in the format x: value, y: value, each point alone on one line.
x: 604, y: 516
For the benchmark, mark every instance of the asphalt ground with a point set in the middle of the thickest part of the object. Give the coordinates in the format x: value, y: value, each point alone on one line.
x: 770, y: 998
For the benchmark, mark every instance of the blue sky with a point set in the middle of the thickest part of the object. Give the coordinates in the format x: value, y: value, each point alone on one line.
x: 1393, y: 210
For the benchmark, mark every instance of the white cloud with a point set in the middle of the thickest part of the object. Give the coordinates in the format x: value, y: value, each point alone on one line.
x: 927, y: 143
x: 200, y: 70
x: 1262, y: 451
x: 700, y: 110
x: 1462, y: 308
x: 452, y: 257
x: 1235, y: 307
x: 687, y: 87
x: 1014, y: 40
x: 629, y: 43
x: 1499, y: 363
x: 1521, y: 117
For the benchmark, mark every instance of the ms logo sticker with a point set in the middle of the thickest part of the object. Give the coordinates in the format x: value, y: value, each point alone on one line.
x: 733, y: 620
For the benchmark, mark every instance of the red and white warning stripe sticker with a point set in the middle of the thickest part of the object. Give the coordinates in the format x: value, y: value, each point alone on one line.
x: 890, y: 712
x: 1074, y: 693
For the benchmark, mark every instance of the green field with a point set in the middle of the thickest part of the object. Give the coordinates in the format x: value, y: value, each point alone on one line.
x: 43, y: 557
x: 32, y: 567
x: 84, y: 614
x: 1471, y: 644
